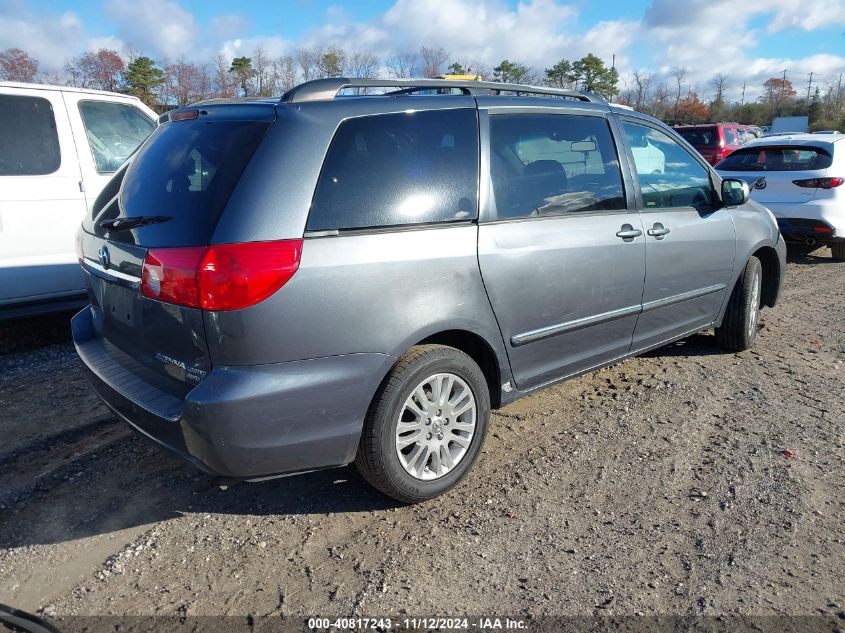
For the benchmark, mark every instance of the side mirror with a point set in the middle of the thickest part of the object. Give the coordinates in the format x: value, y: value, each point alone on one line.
x: 735, y: 192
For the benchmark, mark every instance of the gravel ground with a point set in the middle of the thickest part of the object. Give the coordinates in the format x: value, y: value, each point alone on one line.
x: 685, y: 482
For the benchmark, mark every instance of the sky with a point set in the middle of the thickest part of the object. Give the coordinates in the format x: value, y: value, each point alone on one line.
x: 749, y: 41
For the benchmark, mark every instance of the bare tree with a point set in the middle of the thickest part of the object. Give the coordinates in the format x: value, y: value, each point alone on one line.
x: 679, y: 74
x: 262, y: 65
x: 17, y: 65
x: 360, y: 64
x: 102, y: 70
x: 642, y: 83
x: 307, y: 64
x: 720, y: 85
x: 226, y: 85
x: 402, y: 65
x: 284, y: 68
x: 433, y: 58
x: 185, y: 83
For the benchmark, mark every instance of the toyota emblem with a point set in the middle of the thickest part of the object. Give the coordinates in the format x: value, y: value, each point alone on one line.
x: 104, y: 257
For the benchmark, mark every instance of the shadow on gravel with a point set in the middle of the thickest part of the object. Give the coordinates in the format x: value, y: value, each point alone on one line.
x: 131, y: 483
x: 813, y: 258
x: 695, y: 345
x: 21, y: 335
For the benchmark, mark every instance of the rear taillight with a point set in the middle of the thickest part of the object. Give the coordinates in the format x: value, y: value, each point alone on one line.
x: 219, y: 277
x: 722, y: 153
x: 820, y: 183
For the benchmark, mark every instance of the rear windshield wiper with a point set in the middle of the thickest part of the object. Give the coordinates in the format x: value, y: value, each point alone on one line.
x: 123, y: 224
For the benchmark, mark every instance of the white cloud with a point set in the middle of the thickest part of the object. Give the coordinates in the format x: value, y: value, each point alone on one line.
x: 272, y: 46
x: 50, y: 39
x: 712, y: 37
x: 159, y: 28
x: 708, y: 37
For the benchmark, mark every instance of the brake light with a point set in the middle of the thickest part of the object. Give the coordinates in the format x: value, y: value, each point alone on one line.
x: 219, y: 277
x: 820, y: 183
x: 184, y: 115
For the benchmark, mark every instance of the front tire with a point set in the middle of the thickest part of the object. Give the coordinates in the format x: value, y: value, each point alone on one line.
x: 426, y: 424
x: 739, y: 327
x: 837, y: 251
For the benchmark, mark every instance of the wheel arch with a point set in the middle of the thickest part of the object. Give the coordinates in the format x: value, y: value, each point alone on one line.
x: 771, y: 275
x: 477, y: 348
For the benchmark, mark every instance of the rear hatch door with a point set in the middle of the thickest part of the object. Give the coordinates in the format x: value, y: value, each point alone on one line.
x: 771, y: 171
x: 169, y: 196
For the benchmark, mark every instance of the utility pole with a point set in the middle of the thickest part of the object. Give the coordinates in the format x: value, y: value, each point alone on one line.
x: 742, y: 103
x: 809, y: 86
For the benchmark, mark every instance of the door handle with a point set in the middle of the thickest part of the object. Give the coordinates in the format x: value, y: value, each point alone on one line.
x: 628, y: 232
x: 658, y: 231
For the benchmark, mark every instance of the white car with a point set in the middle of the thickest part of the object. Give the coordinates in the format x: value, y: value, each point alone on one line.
x: 58, y: 148
x: 801, y: 179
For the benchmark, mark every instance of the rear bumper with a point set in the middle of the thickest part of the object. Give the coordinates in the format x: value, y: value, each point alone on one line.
x: 245, y: 422
x: 823, y: 220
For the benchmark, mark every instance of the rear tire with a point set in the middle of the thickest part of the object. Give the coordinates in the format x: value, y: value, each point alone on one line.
x: 739, y: 327
x: 448, y: 430
x: 837, y: 250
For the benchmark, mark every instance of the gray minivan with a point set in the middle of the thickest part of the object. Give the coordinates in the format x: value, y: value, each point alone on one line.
x: 279, y: 286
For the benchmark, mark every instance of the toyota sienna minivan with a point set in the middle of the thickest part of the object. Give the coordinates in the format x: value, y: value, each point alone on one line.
x: 279, y: 286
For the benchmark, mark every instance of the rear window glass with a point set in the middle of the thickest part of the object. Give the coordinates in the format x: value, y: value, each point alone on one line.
x: 186, y: 172
x: 399, y: 169
x: 29, y: 144
x: 785, y: 158
x: 700, y: 137
x: 114, y: 131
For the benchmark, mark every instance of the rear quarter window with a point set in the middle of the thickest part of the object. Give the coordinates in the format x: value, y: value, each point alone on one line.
x: 399, y: 169
x: 781, y: 158
x: 29, y: 143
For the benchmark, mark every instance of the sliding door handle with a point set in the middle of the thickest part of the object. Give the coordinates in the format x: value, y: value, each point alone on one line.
x: 628, y: 232
x: 658, y: 231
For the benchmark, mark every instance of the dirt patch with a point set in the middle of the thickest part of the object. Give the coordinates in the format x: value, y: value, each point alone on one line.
x: 684, y: 482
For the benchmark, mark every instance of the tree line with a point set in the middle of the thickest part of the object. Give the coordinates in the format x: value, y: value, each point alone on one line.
x: 178, y: 82
x: 677, y: 102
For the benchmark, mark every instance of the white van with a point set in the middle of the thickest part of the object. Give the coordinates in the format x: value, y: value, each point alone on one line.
x: 58, y: 147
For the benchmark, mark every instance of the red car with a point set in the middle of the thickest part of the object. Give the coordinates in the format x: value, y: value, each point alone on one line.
x: 716, y: 140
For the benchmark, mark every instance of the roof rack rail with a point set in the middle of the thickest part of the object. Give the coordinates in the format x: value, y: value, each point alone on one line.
x: 321, y: 89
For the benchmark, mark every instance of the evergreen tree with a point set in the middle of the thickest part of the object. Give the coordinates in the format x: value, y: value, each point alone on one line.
x: 512, y: 72
x: 242, y: 69
x: 142, y: 78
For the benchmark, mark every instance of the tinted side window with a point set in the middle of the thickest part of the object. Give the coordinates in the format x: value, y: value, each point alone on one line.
x: 114, y: 131
x: 730, y: 136
x: 395, y: 169
x: 553, y: 164
x: 29, y: 143
x: 777, y: 158
x: 669, y: 176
